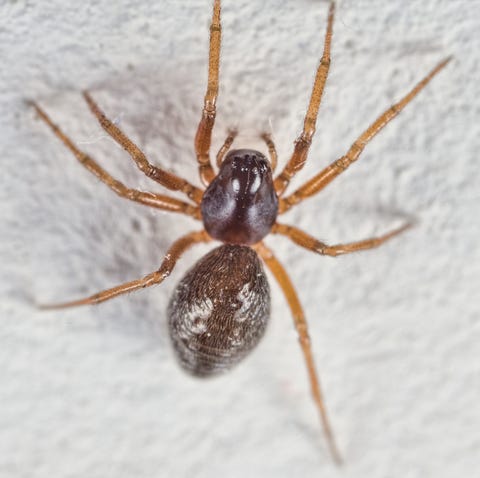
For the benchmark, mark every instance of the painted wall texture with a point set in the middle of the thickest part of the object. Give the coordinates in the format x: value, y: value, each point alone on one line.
x: 96, y: 391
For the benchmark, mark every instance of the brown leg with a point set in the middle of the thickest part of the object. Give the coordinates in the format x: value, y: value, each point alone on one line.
x: 308, y: 242
x: 302, y: 329
x: 226, y: 146
x: 319, y: 181
x: 303, y: 142
x: 171, y: 258
x: 267, y: 137
x: 169, y: 180
x: 149, y: 199
x: 204, y: 132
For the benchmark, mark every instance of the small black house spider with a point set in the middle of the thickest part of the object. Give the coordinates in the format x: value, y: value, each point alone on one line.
x: 220, y: 309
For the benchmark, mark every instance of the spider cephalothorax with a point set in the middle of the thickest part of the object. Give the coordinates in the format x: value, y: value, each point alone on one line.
x: 240, y: 205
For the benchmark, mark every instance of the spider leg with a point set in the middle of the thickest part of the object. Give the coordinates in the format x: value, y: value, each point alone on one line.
x: 204, y: 132
x: 171, y: 258
x: 303, y: 142
x: 165, y: 178
x: 226, y: 146
x: 267, y: 137
x: 149, y: 199
x: 318, y: 182
x: 288, y: 289
x: 306, y: 241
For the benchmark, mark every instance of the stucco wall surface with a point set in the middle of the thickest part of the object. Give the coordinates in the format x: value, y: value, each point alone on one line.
x: 96, y: 392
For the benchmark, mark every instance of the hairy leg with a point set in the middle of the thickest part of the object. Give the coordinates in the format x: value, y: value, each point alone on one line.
x: 302, y: 329
x: 306, y: 241
x: 165, y: 178
x: 303, y: 142
x: 149, y: 199
x: 171, y: 258
x: 203, y: 137
x: 318, y: 182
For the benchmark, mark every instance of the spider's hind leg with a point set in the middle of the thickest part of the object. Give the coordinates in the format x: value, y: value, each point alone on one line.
x: 288, y: 289
x: 171, y: 257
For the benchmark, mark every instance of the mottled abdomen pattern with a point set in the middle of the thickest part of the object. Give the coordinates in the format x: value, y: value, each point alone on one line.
x: 219, y: 310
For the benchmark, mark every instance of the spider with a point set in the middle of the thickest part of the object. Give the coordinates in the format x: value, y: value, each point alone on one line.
x: 219, y: 311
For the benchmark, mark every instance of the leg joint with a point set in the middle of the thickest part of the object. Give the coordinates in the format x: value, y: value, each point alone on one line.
x: 302, y: 330
x: 342, y: 163
x: 395, y: 109
x: 209, y: 108
x: 83, y: 158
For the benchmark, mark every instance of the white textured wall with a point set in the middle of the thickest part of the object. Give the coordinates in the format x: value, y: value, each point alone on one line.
x: 96, y: 391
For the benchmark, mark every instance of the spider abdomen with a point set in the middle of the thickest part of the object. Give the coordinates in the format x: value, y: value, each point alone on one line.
x: 240, y: 205
x: 219, y: 310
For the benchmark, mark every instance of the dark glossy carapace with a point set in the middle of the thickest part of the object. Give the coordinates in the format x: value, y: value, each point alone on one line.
x: 240, y: 205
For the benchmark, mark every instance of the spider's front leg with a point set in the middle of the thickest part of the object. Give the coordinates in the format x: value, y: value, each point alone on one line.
x: 303, y: 142
x: 327, y: 175
x: 158, y: 201
x: 165, y: 178
x: 203, y: 137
